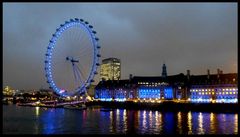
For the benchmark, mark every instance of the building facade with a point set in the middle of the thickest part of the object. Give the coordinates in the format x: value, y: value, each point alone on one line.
x: 215, y: 88
x: 110, y: 69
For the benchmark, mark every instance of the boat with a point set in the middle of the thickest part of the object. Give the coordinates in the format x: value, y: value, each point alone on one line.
x: 77, y: 107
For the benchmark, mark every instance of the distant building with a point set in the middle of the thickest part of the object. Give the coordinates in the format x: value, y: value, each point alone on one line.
x: 8, y: 91
x: 215, y: 88
x: 110, y: 69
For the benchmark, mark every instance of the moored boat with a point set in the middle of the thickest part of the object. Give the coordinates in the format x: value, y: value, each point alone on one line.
x: 77, y: 107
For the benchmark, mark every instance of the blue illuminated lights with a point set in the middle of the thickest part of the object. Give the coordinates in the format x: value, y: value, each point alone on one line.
x: 107, y: 95
x: 219, y: 95
x: 168, y: 93
x: 148, y: 93
x: 157, y: 93
x: 52, y: 43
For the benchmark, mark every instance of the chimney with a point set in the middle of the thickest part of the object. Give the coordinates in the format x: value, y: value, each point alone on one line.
x: 208, y: 73
x: 130, y: 77
x: 188, y: 74
x: 221, y: 72
x: 218, y: 73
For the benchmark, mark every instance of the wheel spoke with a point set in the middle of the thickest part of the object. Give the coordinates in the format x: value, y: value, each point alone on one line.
x: 76, y: 43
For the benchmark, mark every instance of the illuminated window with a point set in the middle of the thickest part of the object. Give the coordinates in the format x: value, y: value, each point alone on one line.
x: 223, y: 89
x: 223, y: 93
x: 196, y: 90
x: 203, y: 93
x: 220, y: 93
x: 234, y: 92
x: 227, y: 89
x: 212, y: 93
x: 226, y: 92
x: 202, y: 89
x: 230, y: 92
x: 212, y: 89
x: 199, y: 93
x: 209, y: 89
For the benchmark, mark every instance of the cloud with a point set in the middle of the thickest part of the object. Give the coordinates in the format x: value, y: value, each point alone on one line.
x: 143, y: 35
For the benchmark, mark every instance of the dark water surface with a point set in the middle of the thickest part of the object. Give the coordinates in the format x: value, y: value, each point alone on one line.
x: 36, y: 120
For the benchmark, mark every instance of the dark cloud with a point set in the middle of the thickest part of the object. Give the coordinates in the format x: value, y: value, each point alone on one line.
x: 143, y: 35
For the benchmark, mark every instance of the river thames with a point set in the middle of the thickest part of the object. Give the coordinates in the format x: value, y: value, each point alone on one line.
x: 37, y: 120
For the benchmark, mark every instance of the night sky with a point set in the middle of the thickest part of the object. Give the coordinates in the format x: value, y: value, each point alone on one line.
x: 183, y: 35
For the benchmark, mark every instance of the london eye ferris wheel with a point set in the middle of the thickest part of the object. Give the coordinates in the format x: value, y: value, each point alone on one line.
x: 72, y: 58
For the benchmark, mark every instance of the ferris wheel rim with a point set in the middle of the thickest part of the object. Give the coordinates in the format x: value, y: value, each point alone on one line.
x: 95, y: 62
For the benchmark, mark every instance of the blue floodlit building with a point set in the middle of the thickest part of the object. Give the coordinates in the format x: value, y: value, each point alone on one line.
x: 215, y: 88
x: 218, y: 88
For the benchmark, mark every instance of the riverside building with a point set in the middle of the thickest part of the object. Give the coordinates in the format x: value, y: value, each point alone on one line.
x: 209, y: 88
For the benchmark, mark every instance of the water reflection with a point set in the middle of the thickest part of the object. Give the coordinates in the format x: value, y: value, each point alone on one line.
x: 119, y: 121
x: 124, y: 120
x: 158, y: 122
x: 52, y: 121
x: 236, y: 123
x: 200, y: 124
x: 111, y: 122
x: 150, y: 115
x: 144, y: 121
x: 212, y: 123
x: 189, y: 123
x: 179, y: 125
x: 37, y: 111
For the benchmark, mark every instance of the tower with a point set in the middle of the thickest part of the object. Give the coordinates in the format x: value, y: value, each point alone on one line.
x: 164, y: 71
x: 110, y: 69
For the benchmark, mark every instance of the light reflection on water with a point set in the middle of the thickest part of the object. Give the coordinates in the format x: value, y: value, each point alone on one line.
x: 200, y: 124
x: 189, y: 122
x: 37, y: 111
x: 179, y: 122
x: 236, y: 123
x: 29, y: 120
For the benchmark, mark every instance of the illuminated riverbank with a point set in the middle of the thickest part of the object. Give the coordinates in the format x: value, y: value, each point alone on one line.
x: 170, y: 106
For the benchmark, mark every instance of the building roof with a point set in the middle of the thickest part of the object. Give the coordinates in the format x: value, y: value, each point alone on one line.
x: 111, y: 59
x: 230, y: 78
